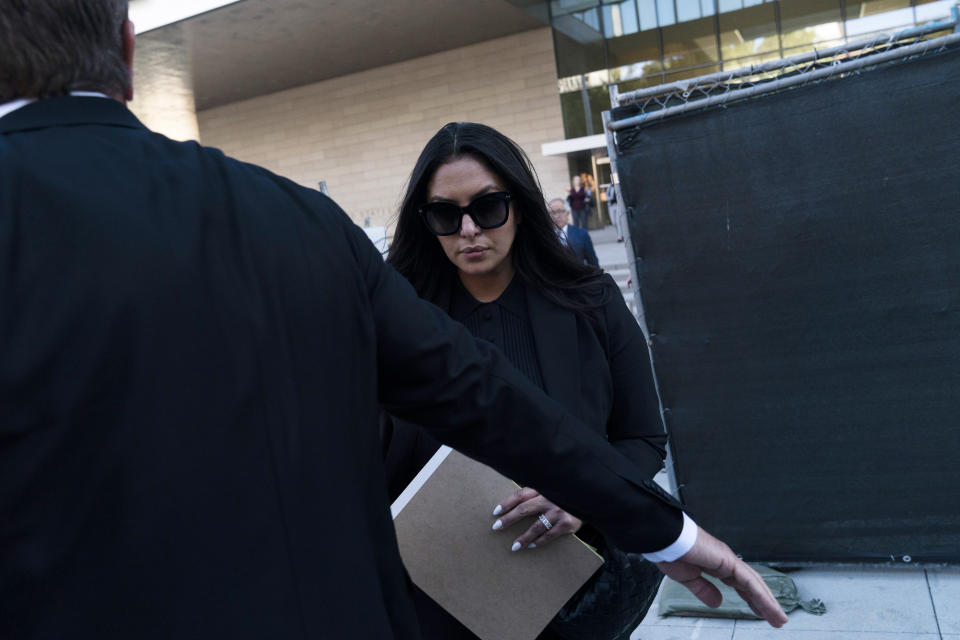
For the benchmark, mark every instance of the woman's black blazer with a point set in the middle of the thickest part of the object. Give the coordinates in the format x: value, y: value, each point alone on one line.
x: 599, y: 370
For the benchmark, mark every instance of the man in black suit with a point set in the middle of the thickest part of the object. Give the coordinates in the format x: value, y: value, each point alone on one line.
x: 192, y: 353
x: 573, y: 236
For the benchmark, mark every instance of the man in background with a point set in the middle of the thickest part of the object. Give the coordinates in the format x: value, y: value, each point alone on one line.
x: 193, y: 350
x: 574, y: 237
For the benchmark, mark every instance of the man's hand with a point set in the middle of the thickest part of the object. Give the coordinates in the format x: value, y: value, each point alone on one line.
x: 713, y: 557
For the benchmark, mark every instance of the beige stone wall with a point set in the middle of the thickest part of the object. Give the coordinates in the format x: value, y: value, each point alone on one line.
x: 163, y: 84
x: 362, y: 133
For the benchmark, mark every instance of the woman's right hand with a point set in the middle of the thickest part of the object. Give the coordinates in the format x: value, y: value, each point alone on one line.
x: 527, y: 502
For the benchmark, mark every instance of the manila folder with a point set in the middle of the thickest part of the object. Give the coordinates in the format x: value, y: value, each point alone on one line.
x: 443, y: 522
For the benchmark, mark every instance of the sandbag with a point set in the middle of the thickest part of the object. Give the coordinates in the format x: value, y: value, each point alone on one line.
x: 676, y: 600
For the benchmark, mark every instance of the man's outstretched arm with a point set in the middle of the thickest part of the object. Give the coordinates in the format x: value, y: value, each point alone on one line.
x: 434, y: 373
x: 697, y: 552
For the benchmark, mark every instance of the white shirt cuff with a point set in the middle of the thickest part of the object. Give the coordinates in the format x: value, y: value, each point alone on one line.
x: 683, y: 544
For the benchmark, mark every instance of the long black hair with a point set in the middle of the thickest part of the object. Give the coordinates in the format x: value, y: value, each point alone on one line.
x: 539, y: 257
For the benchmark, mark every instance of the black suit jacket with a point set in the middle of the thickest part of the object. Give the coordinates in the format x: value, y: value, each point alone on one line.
x: 597, y: 368
x: 579, y: 240
x: 192, y: 354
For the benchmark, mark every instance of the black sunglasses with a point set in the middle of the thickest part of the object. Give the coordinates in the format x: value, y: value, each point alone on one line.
x: 488, y: 211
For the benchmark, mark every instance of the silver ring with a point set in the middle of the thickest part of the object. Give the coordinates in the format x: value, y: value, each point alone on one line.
x: 545, y: 522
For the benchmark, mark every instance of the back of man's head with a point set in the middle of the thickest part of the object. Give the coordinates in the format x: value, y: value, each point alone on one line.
x: 52, y: 47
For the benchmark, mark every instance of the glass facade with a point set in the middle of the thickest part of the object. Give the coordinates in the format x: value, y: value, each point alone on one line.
x: 640, y: 43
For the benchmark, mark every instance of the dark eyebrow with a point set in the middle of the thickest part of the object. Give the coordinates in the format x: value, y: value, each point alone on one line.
x: 490, y: 188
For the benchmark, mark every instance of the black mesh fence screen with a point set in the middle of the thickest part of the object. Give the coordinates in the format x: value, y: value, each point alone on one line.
x: 799, y: 263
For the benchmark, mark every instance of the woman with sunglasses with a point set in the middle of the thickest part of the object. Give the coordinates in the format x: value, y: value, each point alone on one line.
x: 475, y: 238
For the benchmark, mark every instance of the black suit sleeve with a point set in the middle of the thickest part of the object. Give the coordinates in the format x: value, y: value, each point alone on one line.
x: 434, y: 373
x: 635, y: 427
x: 589, y: 251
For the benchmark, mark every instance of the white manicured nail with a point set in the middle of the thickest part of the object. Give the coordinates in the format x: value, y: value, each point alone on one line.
x: 497, y: 525
x: 515, y: 547
x: 531, y: 546
x: 498, y: 510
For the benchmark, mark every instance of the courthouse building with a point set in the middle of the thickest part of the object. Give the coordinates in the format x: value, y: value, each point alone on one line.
x: 346, y: 92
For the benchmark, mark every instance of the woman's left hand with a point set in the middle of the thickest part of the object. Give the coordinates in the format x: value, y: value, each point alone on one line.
x: 527, y: 502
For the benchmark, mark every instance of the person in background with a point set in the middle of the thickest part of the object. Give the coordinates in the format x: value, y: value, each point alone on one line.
x: 193, y: 350
x: 591, y: 186
x: 578, y: 199
x: 474, y: 237
x: 575, y: 238
x: 616, y: 213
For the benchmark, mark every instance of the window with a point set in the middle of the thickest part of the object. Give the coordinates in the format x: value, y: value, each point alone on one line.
x: 689, y: 10
x: 804, y: 23
x: 647, y: 12
x: 665, y: 14
x: 749, y: 32
x: 640, y: 43
x: 642, y: 47
x: 872, y: 16
x: 620, y: 18
x: 690, y: 44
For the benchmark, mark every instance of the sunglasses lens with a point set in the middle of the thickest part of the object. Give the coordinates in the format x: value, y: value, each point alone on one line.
x: 442, y: 218
x: 490, y: 211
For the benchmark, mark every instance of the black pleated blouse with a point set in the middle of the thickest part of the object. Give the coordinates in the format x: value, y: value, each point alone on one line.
x: 505, y: 322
